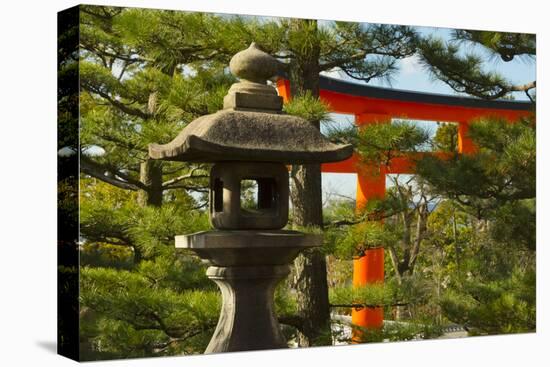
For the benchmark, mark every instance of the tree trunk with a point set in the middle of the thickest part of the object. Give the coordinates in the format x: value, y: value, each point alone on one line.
x: 404, y: 267
x: 456, y: 245
x: 310, y: 279
x: 150, y: 174
x: 421, y: 228
x: 150, y: 171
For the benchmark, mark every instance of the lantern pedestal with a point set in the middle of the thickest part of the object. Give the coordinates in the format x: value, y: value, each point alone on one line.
x: 247, y: 319
x: 247, y: 265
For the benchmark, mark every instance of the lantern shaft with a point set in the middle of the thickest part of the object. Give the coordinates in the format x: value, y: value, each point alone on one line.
x: 247, y: 319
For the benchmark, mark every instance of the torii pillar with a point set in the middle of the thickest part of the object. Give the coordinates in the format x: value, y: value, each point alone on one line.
x: 465, y: 143
x: 369, y: 268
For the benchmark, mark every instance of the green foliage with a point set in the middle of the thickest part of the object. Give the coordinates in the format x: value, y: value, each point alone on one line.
x: 467, y: 73
x: 110, y: 215
x: 364, y: 236
x: 367, y: 51
x: 490, y: 229
x: 379, y: 143
x: 502, y: 171
x: 307, y: 107
x: 139, y: 311
x: 462, y: 73
x: 134, y: 285
x: 106, y: 255
x: 450, y: 230
x: 496, y: 307
x: 155, y: 228
x: 410, y: 290
x: 139, y: 315
x: 515, y: 224
x: 372, y: 295
x: 506, y: 45
x: 446, y: 138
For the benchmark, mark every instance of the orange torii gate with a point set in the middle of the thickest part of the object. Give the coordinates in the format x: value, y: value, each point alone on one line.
x: 372, y: 105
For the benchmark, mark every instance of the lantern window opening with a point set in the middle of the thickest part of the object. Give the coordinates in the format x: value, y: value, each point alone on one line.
x: 258, y: 195
x: 217, y: 193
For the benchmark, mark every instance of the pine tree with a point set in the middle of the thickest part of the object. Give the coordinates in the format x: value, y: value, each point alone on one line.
x: 138, y: 296
x: 134, y: 98
x: 466, y: 73
x: 496, y: 188
x: 492, y: 192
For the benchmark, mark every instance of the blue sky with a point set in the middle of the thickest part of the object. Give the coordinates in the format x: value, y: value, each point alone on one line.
x: 412, y: 76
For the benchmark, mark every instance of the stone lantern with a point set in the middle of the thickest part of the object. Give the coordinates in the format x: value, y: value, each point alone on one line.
x: 250, y: 141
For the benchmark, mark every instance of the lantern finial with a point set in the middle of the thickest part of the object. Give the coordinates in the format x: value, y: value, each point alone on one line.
x: 253, y: 65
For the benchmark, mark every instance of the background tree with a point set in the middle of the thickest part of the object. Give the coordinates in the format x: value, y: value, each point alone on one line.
x: 138, y: 296
x: 468, y: 221
x: 495, y: 188
x: 486, y: 196
x: 467, y: 73
x: 136, y: 96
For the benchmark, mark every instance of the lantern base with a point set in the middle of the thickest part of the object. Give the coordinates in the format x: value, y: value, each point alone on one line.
x: 247, y: 319
x: 247, y: 265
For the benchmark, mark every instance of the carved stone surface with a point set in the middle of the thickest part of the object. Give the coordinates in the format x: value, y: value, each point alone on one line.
x: 248, y: 248
x: 247, y: 265
x: 250, y: 136
x: 240, y: 101
x: 272, y: 196
x: 247, y: 318
x: 253, y: 64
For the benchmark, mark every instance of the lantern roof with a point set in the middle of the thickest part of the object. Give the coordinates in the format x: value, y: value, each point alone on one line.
x: 252, y: 126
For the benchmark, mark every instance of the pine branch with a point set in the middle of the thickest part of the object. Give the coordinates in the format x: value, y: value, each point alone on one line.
x: 465, y: 74
x: 353, y: 74
x: 121, y: 106
x: 130, y: 58
x: 109, y: 175
x: 170, y: 183
x: 506, y: 45
x: 342, y: 61
x: 106, y: 14
x: 188, y: 188
x: 124, y: 143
